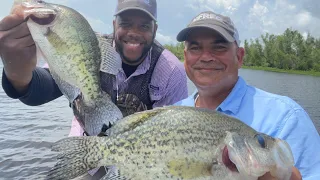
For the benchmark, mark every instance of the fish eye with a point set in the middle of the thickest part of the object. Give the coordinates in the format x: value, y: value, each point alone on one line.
x: 260, y: 140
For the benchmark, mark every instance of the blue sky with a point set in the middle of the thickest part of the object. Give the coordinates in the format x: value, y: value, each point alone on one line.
x: 251, y: 17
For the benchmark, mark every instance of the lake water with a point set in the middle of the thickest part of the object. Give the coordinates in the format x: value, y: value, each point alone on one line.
x: 26, y: 132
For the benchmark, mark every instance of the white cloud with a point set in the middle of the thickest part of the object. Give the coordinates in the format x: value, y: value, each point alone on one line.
x: 275, y: 17
x: 258, y: 10
x: 97, y: 24
x: 227, y: 5
x: 163, y: 39
x: 305, y: 35
x: 283, y: 5
x: 303, y: 18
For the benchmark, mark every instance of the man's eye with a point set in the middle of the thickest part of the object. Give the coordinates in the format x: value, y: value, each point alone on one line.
x: 124, y: 24
x: 194, y: 48
x: 145, y: 27
x: 219, y: 48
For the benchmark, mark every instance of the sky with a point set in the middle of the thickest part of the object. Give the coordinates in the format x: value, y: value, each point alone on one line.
x: 251, y: 17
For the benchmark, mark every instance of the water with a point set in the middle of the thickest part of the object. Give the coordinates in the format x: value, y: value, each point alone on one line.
x: 27, y: 132
x: 305, y: 90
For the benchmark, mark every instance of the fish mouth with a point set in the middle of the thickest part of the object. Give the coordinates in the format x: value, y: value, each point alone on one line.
x: 43, y: 20
x: 227, y: 162
x: 39, y: 12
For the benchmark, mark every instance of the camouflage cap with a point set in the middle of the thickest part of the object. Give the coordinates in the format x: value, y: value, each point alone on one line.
x: 147, y: 6
x: 217, y: 22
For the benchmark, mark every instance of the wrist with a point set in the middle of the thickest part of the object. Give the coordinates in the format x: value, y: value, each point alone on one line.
x: 20, y: 81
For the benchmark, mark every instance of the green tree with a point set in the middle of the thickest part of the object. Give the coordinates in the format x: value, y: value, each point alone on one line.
x: 289, y: 50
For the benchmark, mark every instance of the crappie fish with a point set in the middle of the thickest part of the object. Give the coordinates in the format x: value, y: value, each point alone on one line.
x: 176, y: 142
x: 74, y: 53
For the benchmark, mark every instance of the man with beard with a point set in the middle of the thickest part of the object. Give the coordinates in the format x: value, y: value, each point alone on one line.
x: 213, y: 57
x: 151, y: 76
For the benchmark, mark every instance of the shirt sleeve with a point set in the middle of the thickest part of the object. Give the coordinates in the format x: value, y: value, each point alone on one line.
x: 301, y: 134
x: 42, y: 88
x: 176, y: 89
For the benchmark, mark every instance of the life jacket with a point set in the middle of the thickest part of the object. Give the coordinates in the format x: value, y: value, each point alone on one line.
x: 136, y: 96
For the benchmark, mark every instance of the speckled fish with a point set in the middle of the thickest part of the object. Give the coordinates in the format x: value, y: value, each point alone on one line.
x: 176, y: 142
x: 74, y: 53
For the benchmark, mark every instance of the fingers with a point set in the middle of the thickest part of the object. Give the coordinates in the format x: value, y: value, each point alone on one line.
x: 20, y: 31
x: 26, y: 41
x: 296, y: 175
x: 267, y: 176
x: 15, y: 44
x: 15, y: 32
x: 10, y: 22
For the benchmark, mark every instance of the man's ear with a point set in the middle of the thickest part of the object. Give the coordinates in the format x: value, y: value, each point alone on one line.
x: 185, y: 52
x: 114, y: 24
x: 155, y: 27
x: 240, y: 56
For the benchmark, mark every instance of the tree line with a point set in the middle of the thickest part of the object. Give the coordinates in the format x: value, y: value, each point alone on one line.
x: 289, y: 51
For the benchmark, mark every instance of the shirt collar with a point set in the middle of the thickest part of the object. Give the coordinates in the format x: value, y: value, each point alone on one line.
x: 145, y: 65
x: 233, y: 101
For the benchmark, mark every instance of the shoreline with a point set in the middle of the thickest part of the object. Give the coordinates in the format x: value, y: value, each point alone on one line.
x: 308, y: 73
x: 270, y: 69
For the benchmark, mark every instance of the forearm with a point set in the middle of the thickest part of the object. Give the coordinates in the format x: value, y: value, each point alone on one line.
x: 40, y: 90
x: 19, y: 84
x: 295, y: 175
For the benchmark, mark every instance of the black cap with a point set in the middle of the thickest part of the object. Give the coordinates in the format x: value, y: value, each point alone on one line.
x: 217, y: 22
x: 147, y: 6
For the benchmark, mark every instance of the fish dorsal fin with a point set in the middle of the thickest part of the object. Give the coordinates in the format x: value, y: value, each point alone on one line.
x: 113, y: 173
x: 132, y: 121
x: 110, y: 59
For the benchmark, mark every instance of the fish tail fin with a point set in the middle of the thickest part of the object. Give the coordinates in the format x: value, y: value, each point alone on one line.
x: 105, y: 113
x: 78, y: 156
x: 113, y: 173
x: 93, y: 118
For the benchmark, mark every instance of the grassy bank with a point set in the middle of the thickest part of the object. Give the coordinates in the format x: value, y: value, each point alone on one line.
x: 310, y: 73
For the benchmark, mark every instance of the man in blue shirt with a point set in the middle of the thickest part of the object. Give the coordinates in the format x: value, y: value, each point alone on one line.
x: 212, y: 60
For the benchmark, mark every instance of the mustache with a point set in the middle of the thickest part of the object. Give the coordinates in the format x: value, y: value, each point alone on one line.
x: 208, y: 66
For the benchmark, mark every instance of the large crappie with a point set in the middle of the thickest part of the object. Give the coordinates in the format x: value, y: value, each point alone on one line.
x: 176, y: 143
x: 74, y: 53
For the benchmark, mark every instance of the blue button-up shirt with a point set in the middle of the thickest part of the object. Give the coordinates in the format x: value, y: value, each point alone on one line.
x: 277, y: 116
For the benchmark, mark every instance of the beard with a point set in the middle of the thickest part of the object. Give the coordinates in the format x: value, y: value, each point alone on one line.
x: 145, y: 50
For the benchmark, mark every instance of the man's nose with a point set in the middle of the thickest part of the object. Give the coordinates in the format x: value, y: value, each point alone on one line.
x: 134, y: 32
x: 206, y: 56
